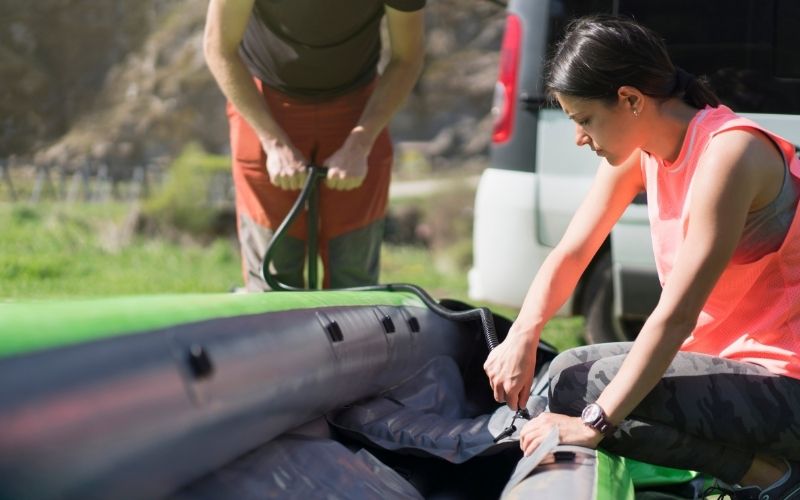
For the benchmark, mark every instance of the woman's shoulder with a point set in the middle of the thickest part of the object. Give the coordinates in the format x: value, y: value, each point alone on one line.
x: 732, y: 135
x: 721, y: 118
x: 746, y: 155
x: 743, y: 145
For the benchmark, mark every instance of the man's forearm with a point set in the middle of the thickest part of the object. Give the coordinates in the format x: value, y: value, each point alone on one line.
x: 238, y: 86
x: 391, y: 89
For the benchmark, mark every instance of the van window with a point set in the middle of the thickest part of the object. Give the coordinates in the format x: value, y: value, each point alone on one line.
x: 747, y: 49
x: 563, y: 11
x: 787, y: 39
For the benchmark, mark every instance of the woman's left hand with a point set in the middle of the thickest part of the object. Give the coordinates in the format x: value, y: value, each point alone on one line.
x: 571, y: 430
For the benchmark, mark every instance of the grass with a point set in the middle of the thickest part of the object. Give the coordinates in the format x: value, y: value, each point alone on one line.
x: 416, y: 265
x: 62, y: 251
x: 91, y: 250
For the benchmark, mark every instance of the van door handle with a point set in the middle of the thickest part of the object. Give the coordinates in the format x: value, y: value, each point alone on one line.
x: 531, y: 103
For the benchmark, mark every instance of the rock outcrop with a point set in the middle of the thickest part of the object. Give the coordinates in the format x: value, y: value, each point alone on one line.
x: 125, y: 83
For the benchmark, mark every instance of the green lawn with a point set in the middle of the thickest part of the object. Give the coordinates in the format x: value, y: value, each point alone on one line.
x: 63, y: 251
x: 84, y: 250
x: 416, y: 265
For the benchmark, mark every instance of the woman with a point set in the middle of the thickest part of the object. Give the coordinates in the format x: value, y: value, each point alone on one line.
x: 712, y: 382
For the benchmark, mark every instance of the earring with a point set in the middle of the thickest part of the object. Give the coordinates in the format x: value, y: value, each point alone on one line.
x: 636, y: 113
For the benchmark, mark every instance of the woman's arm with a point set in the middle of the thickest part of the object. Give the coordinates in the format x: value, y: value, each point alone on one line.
x: 730, y: 180
x: 511, y: 365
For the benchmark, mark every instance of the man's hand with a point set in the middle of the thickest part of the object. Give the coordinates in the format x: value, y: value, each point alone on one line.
x: 510, y: 368
x: 347, y: 167
x: 571, y: 430
x: 286, y: 166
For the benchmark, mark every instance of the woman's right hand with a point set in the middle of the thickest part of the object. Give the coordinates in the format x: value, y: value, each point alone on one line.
x: 510, y: 368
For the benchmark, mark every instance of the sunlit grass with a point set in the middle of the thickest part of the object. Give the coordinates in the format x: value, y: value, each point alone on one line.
x: 70, y: 251
x: 417, y: 265
x: 83, y: 251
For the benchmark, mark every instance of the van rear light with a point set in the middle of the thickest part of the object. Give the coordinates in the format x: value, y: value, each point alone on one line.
x: 505, y: 90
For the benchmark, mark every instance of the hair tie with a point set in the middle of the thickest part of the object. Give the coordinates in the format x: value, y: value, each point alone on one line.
x: 683, y: 79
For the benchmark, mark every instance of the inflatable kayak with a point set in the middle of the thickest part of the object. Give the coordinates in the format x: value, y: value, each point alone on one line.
x: 213, y: 396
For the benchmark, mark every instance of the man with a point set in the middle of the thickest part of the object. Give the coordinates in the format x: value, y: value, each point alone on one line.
x: 302, y: 87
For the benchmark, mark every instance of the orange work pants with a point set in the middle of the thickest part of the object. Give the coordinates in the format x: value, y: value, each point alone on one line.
x: 317, y: 129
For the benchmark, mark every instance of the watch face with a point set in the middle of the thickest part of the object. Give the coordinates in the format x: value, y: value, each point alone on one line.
x: 591, y: 413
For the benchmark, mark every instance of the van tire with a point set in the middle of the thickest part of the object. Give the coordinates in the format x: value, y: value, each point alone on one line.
x: 597, y: 306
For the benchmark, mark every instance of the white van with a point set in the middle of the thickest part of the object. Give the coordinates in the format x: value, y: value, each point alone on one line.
x: 750, y: 52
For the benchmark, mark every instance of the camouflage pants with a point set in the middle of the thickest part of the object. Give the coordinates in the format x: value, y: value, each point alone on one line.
x: 706, y: 414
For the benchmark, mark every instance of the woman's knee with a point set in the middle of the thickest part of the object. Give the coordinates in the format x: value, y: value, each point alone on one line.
x: 568, y: 381
x: 587, y: 354
x: 568, y: 358
x: 579, y: 375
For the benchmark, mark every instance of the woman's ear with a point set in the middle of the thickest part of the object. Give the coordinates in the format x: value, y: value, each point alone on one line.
x: 631, y: 98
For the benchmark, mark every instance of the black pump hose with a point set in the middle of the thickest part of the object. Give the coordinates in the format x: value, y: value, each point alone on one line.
x: 308, y: 197
x: 483, y: 314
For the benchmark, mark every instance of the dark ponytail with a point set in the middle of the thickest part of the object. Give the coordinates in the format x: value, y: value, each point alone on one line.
x: 600, y: 54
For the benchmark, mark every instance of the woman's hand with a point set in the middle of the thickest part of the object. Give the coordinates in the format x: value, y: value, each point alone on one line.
x: 510, y: 368
x: 571, y: 430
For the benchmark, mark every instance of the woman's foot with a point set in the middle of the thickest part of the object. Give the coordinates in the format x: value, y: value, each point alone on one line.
x: 768, y: 479
x: 785, y: 488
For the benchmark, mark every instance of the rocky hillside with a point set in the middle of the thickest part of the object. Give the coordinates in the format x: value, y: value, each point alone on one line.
x: 125, y: 82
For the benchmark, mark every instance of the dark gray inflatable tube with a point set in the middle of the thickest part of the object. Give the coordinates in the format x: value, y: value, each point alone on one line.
x: 139, y: 416
x: 566, y: 472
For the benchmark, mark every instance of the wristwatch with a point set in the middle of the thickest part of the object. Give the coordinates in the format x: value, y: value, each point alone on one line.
x: 594, y: 416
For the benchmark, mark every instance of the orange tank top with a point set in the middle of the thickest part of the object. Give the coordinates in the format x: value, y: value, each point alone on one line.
x: 753, y: 312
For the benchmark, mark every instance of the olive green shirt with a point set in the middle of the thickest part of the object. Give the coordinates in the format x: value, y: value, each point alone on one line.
x: 316, y: 48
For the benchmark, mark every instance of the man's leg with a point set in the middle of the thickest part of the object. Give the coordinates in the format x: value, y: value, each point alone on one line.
x: 351, y: 222
x: 287, y: 261
x: 354, y: 257
x: 260, y: 205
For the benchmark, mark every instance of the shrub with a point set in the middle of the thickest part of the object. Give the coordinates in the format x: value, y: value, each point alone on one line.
x: 184, y: 202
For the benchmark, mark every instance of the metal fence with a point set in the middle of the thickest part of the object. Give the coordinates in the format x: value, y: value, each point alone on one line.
x: 94, y: 183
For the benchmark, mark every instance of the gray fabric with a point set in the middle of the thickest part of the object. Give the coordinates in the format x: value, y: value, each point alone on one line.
x: 766, y: 228
x: 707, y: 413
x: 556, y: 472
x: 300, y: 467
x: 353, y: 258
x: 503, y: 417
x: 427, y: 416
x: 528, y: 464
